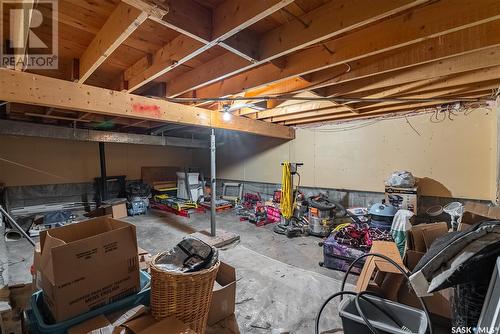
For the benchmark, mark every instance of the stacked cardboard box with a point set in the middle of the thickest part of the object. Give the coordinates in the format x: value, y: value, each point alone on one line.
x: 419, y: 240
x: 83, y: 266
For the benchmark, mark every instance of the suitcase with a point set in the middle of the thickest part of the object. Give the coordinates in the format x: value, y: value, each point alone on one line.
x: 339, y: 257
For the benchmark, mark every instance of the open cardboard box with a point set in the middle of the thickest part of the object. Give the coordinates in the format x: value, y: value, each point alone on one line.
x: 477, y: 212
x: 224, y: 295
x: 419, y: 239
x: 439, y: 303
x: 86, y: 265
x: 133, y: 321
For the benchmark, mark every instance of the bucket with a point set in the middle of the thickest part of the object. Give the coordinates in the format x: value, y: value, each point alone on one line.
x: 403, y: 319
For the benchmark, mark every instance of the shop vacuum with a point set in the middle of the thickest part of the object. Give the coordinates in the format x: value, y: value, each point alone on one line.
x: 365, y: 312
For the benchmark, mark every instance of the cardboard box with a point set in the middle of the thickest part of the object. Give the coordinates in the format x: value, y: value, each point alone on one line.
x: 475, y: 213
x: 420, y: 237
x: 386, y: 278
x: 87, y: 265
x: 116, y: 208
x: 439, y: 303
x: 224, y: 296
x: 148, y: 325
x: 402, y: 198
x: 108, y: 323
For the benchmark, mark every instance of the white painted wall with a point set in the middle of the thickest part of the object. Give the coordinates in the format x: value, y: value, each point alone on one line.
x: 454, y: 158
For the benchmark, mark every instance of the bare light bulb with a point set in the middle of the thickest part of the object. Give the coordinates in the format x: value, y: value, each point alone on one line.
x: 226, y: 116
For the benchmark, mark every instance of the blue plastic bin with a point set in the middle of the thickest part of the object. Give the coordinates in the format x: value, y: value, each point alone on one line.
x: 38, y: 324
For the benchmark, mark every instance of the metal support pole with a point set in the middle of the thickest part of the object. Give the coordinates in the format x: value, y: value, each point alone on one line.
x: 16, y: 225
x: 213, y: 206
x: 102, y: 162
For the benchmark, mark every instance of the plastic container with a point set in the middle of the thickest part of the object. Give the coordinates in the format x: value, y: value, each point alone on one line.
x: 38, y: 324
x: 411, y: 319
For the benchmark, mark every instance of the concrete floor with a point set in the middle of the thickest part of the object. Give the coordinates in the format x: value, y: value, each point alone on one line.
x: 280, y: 285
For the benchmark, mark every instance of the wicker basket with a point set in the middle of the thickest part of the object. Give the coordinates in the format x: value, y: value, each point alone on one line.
x: 186, y: 296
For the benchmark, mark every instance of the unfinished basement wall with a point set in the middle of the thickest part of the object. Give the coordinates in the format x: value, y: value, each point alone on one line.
x: 453, y: 158
x: 35, y: 161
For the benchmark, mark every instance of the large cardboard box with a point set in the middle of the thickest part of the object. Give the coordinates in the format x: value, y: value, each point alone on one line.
x: 439, y: 303
x: 224, y: 295
x: 402, y: 198
x: 419, y: 240
x: 477, y: 212
x: 87, y: 265
x: 420, y: 237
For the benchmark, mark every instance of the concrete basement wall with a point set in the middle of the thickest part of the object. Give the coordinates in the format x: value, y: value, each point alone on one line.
x: 66, y: 161
x: 453, y: 158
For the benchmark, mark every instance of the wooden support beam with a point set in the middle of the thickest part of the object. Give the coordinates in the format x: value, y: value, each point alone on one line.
x: 327, y: 21
x: 232, y: 16
x: 297, y: 108
x: 120, y: 25
x: 445, y: 87
x: 436, y: 91
x: 243, y: 44
x: 425, y: 27
x: 50, y: 92
x: 409, y: 88
x: 122, y: 22
x: 394, y: 70
x: 345, y: 115
x: 185, y: 16
x: 229, y: 18
x: 176, y: 52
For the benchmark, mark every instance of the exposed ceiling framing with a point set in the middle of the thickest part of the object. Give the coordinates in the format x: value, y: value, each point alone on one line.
x: 205, y: 49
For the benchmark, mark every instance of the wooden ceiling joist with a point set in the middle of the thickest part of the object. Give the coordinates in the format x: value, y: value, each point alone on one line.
x: 388, y: 107
x: 187, y: 17
x: 444, y: 87
x: 425, y: 27
x: 122, y: 22
x: 345, y: 116
x: 227, y: 19
x: 327, y: 21
x: 56, y: 93
x: 368, y: 77
x: 405, y: 89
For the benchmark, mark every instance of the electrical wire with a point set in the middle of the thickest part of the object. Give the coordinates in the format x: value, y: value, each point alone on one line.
x: 358, y: 295
x: 438, y: 115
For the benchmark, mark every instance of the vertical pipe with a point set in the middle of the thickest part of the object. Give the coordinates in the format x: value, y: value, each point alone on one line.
x: 102, y: 162
x: 212, y: 184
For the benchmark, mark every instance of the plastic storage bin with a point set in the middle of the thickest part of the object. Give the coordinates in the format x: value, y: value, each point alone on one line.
x: 410, y: 319
x: 38, y: 324
x: 339, y: 257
